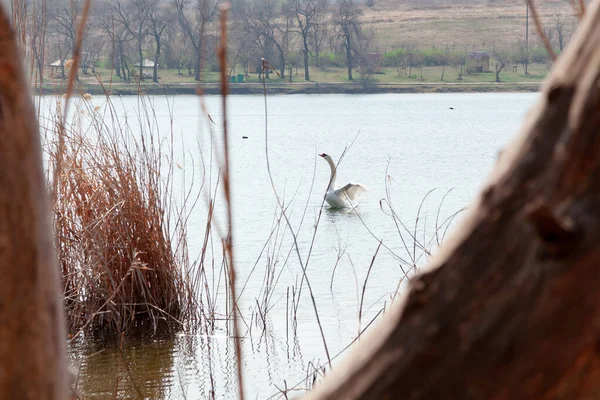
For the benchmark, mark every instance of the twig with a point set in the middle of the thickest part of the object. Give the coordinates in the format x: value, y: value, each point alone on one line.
x: 335, y: 356
x: 76, y: 55
x: 362, y: 296
x: 227, y: 189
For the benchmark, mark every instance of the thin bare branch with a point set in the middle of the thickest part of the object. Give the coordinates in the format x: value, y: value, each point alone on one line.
x: 540, y: 30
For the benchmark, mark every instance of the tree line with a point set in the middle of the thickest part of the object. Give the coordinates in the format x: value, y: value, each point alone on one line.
x: 184, y: 34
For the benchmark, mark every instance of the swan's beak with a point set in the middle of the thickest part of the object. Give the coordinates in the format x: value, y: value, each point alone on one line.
x: 322, y: 155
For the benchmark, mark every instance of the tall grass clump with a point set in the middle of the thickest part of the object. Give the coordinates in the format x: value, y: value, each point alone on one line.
x: 120, y: 237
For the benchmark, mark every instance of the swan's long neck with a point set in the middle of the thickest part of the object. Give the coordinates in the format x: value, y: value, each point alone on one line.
x: 332, y: 179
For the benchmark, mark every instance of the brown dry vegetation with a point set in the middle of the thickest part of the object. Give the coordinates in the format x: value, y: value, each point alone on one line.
x: 471, y: 23
x: 121, y: 243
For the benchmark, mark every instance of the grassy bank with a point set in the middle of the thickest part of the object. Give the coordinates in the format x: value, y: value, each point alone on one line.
x: 323, y: 81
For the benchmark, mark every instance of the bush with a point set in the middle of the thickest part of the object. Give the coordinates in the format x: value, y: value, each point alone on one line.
x: 331, y: 60
x: 434, y: 57
x: 393, y: 58
x: 539, y: 55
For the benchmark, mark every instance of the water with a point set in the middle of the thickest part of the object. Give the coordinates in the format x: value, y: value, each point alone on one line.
x: 401, y: 146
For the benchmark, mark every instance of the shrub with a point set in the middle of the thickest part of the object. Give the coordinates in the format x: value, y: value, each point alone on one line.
x: 331, y: 60
x: 394, y: 58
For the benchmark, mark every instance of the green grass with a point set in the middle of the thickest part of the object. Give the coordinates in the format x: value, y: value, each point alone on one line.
x: 333, y: 75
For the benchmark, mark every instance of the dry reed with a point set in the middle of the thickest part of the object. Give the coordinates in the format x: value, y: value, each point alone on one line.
x: 120, y: 240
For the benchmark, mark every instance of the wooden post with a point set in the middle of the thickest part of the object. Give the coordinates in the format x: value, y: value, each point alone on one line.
x: 510, y: 307
x: 32, y: 333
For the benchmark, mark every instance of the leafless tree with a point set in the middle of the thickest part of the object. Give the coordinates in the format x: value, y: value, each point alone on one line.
x: 443, y: 61
x: 159, y: 18
x: 564, y: 25
x: 346, y: 17
x: 37, y: 22
x: 134, y: 16
x: 119, y: 37
x: 458, y: 59
x: 319, y: 35
x: 183, y: 52
x: 194, y: 18
x: 260, y: 22
x: 307, y: 13
x: 500, y: 57
x: 523, y: 55
x: 93, y: 51
x: 65, y: 17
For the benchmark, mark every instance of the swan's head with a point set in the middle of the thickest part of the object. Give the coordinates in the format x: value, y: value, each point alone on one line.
x: 327, y: 157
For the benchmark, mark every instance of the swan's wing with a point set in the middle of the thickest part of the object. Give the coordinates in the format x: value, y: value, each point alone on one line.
x: 352, y: 190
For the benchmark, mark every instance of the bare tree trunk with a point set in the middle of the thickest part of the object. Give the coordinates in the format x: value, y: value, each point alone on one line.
x: 349, y: 57
x: 141, y: 58
x: 198, y: 63
x: 156, y: 57
x: 157, y: 34
x: 499, y: 69
x: 281, y: 59
x: 39, y: 60
x: 510, y: 307
x: 32, y: 333
x: 306, y: 52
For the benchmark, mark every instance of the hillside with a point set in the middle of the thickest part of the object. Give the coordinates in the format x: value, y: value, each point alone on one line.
x: 473, y: 24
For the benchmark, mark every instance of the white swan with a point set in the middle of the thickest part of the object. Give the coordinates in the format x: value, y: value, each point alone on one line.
x: 340, y: 197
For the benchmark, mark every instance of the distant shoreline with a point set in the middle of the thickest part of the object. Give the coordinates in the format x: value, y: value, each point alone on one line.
x: 299, y: 88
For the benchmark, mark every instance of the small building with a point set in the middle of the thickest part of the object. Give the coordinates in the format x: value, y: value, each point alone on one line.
x: 57, y: 66
x: 371, y: 63
x: 478, y: 61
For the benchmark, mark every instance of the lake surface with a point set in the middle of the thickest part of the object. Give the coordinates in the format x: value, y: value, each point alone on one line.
x: 401, y: 146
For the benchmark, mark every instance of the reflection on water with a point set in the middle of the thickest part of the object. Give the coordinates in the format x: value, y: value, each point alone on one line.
x: 142, y: 369
x: 335, y: 214
x: 181, y: 367
x: 408, y: 145
x: 173, y: 368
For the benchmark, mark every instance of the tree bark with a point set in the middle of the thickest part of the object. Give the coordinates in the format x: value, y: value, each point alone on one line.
x: 305, y: 56
x: 140, y: 55
x: 32, y: 333
x: 348, y: 46
x: 198, y: 63
x: 156, y: 58
x: 510, y: 307
x: 499, y: 69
